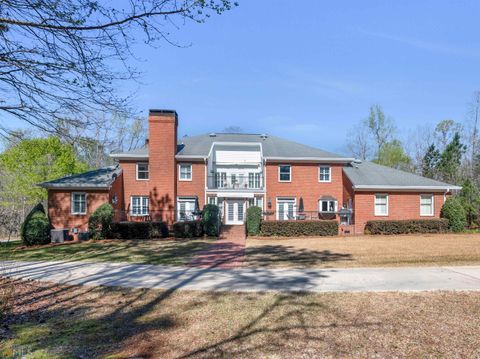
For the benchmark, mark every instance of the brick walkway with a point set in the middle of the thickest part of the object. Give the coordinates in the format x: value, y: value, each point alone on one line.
x: 227, y: 252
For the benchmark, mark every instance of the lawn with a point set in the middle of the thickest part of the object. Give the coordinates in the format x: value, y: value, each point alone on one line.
x: 56, y: 321
x: 166, y: 252
x: 365, y: 251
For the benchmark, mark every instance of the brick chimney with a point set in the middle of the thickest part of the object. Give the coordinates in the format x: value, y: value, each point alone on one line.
x: 162, y: 145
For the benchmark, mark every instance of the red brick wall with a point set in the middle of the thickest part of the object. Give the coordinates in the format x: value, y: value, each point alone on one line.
x: 60, y: 212
x: 401, y: 205
x: 195, y: 187
x: 304, y: 184
x: 132, y: 187
x: 118, y: 190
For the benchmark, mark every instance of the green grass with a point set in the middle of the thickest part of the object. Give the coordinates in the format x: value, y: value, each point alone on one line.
x: 165, y: 252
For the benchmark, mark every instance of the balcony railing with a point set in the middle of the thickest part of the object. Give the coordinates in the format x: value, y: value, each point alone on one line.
x: 247, y: 181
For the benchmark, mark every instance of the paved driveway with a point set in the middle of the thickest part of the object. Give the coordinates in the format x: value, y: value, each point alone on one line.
x: 248, y: 279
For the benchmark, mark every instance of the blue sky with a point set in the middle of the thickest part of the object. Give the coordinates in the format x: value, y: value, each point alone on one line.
x: 309, y: 70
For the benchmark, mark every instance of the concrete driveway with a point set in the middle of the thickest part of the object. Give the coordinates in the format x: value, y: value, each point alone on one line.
x: 248, y: 279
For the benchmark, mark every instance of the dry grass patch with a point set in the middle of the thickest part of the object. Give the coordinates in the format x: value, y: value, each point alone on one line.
x: 365, y: 251
x: 55, y: 321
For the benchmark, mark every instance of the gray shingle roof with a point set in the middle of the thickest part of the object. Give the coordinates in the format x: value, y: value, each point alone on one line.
x: 100, y: 178
x: 273, y: 147
x: 367, y: 175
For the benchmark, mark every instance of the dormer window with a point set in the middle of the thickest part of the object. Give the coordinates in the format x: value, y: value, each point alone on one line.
x: 142, y: 171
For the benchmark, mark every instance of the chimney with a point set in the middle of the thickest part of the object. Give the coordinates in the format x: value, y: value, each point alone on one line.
x: 162, y: 147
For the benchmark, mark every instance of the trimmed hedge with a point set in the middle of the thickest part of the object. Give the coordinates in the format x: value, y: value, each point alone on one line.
x: 298, y: 228
x: 36, y: 227
x: 100, y: 220
x: 210, y: 220
x: 407, y: 226
x: 188, y: 229
x: 453, y: 210
x: 138, y: 230
x: 254, y: 220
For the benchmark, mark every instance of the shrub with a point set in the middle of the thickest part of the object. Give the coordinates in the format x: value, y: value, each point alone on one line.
x: 298, y: 228
x: 100, y: 220
x: 36, y: 227
x: 453, y: 211
x: 211, y: 220
x: 138, y: 230
x: 407, y: 226
x: 254, y: 220
x: 188, y: 229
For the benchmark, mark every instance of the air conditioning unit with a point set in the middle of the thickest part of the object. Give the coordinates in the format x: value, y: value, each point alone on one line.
x: 59, y: 235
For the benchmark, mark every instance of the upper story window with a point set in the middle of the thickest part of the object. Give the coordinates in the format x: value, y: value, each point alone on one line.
x: 142, y: 171
x: 381, y: 205
x: 139, y: 206
x: 327, y: 205
x: 426, y: 205
x: 185, y: 172
x: 325, y: 174
x: 285, y: 173
x: 254, y: 180
x: 79, y: 203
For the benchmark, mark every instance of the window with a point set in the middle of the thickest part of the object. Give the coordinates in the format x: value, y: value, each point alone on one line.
x: 79, y: 203
x: 284, y: 173
x: 142, y: 171
x: 139, y: 206
x: 324, y: 174
x: 256, y: 201
x: 327, y: 205
x: 212, y: 200
x: 220, y: 179
x: 186, y: 208
x: 381, y: 205
x: 185, y: 172
x: 286, y: 208
x: 254, y: 180
x: 426, y: 205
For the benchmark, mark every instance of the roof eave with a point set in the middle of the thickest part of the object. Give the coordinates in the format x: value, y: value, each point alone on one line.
x: 126, y: 156
x: 190, y: 157
x: 405, y: 188
x: 310, y: 159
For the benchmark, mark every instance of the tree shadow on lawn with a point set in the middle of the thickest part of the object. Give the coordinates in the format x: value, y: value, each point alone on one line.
x: 281, y: 255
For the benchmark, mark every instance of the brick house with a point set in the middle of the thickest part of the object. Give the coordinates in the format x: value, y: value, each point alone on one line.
x: 171, y: 180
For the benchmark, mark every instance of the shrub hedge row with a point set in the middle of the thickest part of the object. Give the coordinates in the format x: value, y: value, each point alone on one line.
x: 138, y: 230
x: 298, y: 228
x: 188, y: 229
x: 407, y: 226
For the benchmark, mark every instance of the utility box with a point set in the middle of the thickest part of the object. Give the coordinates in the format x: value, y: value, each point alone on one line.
x: 83, y: 236
x: 59, y: 235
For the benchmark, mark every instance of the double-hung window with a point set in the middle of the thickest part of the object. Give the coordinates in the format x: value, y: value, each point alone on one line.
x: 79, y: 203
x: 254, y: 180
x: 324, y: 174
x: 185, y: 209
x: 139, y: 206
x: 185, y: 172
x: 426, y: 205
x: 286, y: 208
x: 285, y: 173
x: 327, y: 206
x: 381, y: 205
x: 255, y: 201
x: 142, y: 171
x: 220, y: 179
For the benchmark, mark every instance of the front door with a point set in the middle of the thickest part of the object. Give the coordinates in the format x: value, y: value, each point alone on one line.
x: 235, y: 211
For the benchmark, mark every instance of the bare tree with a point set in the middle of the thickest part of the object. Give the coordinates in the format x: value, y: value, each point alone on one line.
x: 358, y: 142
x: 472, y: 132
x: 445, y: 132
x: 382, y: 128
x: 61, y: 61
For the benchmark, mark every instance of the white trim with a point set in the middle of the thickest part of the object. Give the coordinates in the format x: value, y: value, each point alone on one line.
x: 290, y: 166
x: 136, y: 171
x: 180, y: 172
x: 329, y: 173
x: 406, y: 188
x: 125, y: 156
x: 285, y: 199
x: 335, y: 205
x: 235, y: 195
x: 311, y: 159
x: 375, y: 205
x: 130, y: 212
x: 432, y: 196
x: 71, y: 204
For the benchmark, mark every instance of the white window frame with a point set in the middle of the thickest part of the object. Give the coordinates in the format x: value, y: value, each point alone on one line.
x: 335, y: 205
x: 375, y: 205
x: 148, y: 171
x: 180, y: 200
x: 73, y: 206
x: 142, y: 207
x: 286, y: 200
x: 432, y: 196
x: 215, y: 200
x: 320, y: 173
x: 180, y: 165
x: 290, y: 173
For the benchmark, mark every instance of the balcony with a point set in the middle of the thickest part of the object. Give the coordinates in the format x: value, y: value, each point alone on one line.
x: 239, y: 182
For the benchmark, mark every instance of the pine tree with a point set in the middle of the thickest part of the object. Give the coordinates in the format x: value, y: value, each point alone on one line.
x: 430, y: 162
x: 451, y: 160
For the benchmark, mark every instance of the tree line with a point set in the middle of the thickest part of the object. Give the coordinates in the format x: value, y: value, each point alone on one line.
x: 449, y: 151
